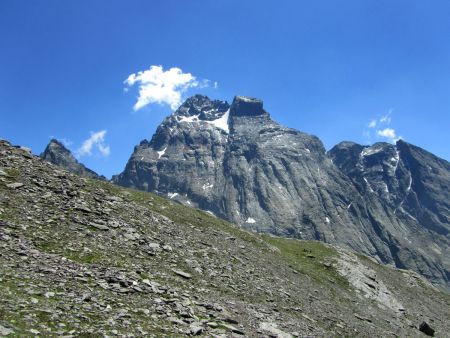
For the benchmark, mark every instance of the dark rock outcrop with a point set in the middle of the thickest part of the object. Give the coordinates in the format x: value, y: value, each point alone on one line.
x: 58, y: 154
x: 239, y: 164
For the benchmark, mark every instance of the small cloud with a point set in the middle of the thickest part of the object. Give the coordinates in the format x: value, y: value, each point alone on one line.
x: 66, y: 142
x: 372, y: 124
x: 387, y: 118
x: 388, y: 133
x: 157, y: 85
x: 96, y: 140
x: 216, y: 85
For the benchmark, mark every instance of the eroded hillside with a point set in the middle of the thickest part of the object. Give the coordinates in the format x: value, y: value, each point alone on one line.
x: 82, y: 257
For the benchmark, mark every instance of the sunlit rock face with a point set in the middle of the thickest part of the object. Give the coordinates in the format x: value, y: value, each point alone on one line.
x: 237, y: 163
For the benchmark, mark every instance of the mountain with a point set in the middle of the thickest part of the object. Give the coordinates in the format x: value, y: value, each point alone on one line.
x: 58, y: 154
x: 82, y: 257
x: 237, y: 163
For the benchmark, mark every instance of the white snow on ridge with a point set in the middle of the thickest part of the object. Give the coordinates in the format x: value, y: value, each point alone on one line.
x: 327, y: 220
x: 221, y: 122
x: 370, y: 151
x: 395, y: 160
x: 189, y: 119
x: 172, y: 194
x: 368, y: 184
x: 250, y: 220
x: 410, y: 184
x: 161, y: 153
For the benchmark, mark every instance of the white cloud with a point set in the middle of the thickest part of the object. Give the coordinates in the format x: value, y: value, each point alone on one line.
x: 157, y: 85
x: 389, y: 133
x: 67, y: 143
x: 379, y: 128
x: 385, y: 119
x: 96, y: 140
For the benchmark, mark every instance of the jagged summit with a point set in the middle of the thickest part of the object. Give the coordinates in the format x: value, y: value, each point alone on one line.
x: 202, y: 107
x: 246, y: 106
x: 239, y: 164
x: 58, y: 154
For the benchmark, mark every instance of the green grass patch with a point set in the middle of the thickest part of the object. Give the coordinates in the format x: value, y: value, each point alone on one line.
x: 310, y: 258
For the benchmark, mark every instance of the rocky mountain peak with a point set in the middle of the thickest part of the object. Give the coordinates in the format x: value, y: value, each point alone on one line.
x: 246, y: 106
x: 58, y: 154
x: 200, y: 107
x: 383, y: 200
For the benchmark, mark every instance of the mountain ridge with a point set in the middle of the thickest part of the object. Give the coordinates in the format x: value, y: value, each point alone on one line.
x: 58, y: 154
x: 269, y: 178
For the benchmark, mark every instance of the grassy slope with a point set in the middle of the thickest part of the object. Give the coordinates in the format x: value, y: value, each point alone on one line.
x: 300, y: 267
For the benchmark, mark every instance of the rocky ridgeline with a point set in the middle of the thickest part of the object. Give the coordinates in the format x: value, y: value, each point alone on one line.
x: 58, y: 154
x: 82, y: 257
x: 391, y: 202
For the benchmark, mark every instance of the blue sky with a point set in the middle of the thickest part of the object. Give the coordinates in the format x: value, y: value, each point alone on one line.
x: 330, y: 68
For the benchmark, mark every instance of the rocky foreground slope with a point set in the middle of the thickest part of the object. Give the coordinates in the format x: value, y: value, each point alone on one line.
x: 82, y: 257
x: 236, y: 162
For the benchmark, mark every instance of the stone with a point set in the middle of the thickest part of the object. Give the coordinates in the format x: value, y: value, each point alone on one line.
x: 425, y: 328
x: 99, y: 226
x: 4, y: 331
x: 15, y: 185
x: 182, y: 273
x: 196, y: 329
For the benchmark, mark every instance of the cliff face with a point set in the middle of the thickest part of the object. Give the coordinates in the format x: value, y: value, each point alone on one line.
x: 239, y: 164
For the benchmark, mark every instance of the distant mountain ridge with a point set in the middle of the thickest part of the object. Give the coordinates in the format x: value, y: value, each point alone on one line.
x: 58, y: 154
x: 236, y: 162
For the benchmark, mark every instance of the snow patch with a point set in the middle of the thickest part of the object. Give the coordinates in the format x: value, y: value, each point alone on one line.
x: 211, y: 213
x: 307, y: 150
x: 327, y: 220
x: 189, y: 119
x: 161, y: 153
x: 246, y: 99
x: 410, y: 183
x: 250, y: 220
x: 370, y: 151
x: 368, y: 184
x: 172, y: 194
x: 221, y: 122
x: 207, y: 186
x: 348, y: 206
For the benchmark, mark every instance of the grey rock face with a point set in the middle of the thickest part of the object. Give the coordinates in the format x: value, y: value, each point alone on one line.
x: 239, y: 164
x: 58, y: 154
x: 412, y: 186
